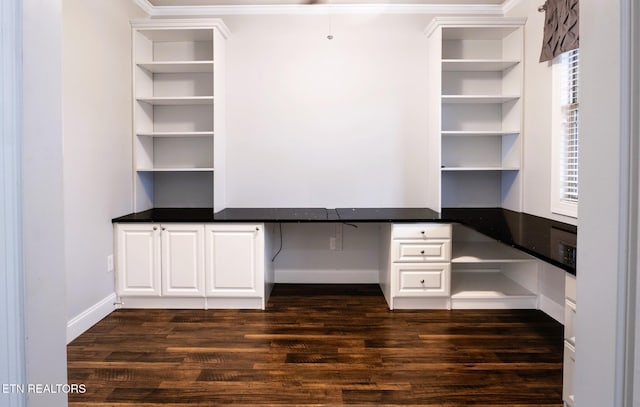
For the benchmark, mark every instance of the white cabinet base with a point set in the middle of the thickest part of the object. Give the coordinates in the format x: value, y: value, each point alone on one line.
x: 192, y: 266
x: 420, y: 303
x: 189, y: 303
x: 161, y: 302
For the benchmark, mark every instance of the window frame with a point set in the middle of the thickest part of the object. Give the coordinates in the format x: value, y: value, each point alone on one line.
x: 560, y: 205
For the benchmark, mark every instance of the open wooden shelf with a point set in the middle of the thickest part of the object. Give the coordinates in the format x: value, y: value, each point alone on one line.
x: 488, y: 290
x: 176, y: 134
x: 177, y: 101
x: 477, y: 65
x: 469, y: 133
x: 175, y: 169
x: 478, y: 99
x: 480, y: 169
x: 486, y: 252
x: 177, y: 66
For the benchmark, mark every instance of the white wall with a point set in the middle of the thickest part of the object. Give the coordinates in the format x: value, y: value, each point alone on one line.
x: 537, y: 117
x: 43, y: 200
x: 96, y: 77
x: 313, y: 122
x: 306, y: 256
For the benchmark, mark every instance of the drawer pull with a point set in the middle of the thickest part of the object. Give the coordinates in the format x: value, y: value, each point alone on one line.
x: 422, y: 281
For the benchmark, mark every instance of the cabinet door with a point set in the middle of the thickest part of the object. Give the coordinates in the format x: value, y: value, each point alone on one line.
x: 183, y: 260
x: 138, y: 260
x: 234, y: 260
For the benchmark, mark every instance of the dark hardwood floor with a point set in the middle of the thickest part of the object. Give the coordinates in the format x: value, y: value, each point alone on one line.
x: 319, y: 345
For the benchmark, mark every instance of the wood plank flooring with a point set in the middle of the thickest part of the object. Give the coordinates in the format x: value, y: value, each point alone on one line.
x: 319, y: 345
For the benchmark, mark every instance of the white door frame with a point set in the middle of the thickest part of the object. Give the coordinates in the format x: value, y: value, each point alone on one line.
x: 12, y: 348
x: 630, y: 386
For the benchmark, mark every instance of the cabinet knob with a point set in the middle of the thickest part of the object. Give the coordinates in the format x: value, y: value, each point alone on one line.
x: 257, y: 229
x: 155, y: 228
x: 164, y: 228
x: 422, y: 281
x: 421, y: 251
x: 422, y: 231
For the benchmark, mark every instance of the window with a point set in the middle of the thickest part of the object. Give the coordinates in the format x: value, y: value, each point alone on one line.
x: 565, y: 118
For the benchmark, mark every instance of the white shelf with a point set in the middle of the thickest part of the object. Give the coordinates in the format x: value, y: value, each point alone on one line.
x: 175, y: 169
x: 177, y: 101
x: 176, y: 134
x: 449, y: 133
x: 488, y: 290
x: 177, y: 66
x: 486, y: 252
x: 451, y: 169
x: 477, y: 65
x: 476, y: 99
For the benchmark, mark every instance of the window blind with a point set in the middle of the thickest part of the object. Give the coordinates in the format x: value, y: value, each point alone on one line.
x: 570, y: 129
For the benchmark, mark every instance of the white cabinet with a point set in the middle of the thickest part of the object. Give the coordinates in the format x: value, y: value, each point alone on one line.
x: 160, y: 260
x: 138, y: 260
x: 416, y: 270
x: 475, y: 111
x: 182, y: 265
x: 449, y: 266
x: 569, y: 341
x: 179, y: 113
x: 182, y: 260
x: 235, y: 260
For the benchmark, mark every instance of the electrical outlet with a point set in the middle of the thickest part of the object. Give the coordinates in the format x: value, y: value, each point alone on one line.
x: 110, y: 263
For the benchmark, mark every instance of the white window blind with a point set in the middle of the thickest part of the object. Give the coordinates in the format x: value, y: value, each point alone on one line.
x: 569, y: 127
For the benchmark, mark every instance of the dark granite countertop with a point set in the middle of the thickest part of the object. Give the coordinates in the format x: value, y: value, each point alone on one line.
x: 548, y: 240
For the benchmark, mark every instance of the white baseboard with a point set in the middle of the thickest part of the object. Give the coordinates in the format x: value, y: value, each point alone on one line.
x: 327, y: 277
x: 89, y: 317
x: 552, y: 308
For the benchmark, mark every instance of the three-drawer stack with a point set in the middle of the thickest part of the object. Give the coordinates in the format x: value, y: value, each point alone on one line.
x: 420, y: 265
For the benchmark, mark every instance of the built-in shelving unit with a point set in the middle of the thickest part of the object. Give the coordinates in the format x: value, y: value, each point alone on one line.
x: 178, y: 113
x: 488, y: 274
x: 475, y: 108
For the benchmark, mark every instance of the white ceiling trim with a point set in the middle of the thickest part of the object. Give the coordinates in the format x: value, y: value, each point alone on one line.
x: 321, y: 9
x: 145, y: 6
x: 507, y: 5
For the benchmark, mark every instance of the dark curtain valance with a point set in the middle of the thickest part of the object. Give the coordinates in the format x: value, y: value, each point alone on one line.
x: 560, y: 29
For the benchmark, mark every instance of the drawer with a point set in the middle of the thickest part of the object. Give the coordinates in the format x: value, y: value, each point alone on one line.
x: 421, y: 231
x: 568, y: 372
x: 569, y: 322
x: 421, y: 250
x: 570, y: 287
x: 422, y: 280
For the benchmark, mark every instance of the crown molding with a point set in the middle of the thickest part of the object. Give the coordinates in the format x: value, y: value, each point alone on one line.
x: 145, y: 6
x: 321, y: 9
x: 472, y: 21
x: 507, y: 5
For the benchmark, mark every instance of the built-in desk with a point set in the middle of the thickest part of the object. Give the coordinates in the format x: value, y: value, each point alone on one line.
x: 551, y: 241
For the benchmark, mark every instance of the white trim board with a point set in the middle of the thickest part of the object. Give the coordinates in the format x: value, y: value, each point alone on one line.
x: 89, y: 317
x: 322, y: 9
x: 12, y: 341
x: 551, y: 308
